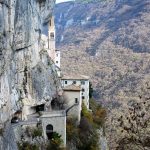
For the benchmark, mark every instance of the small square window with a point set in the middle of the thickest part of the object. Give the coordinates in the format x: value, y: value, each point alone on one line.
x: 82, y: 82
x: 83, y: 97
x: 74, y: 82
x: 76, y: 100
x: 65, y: 82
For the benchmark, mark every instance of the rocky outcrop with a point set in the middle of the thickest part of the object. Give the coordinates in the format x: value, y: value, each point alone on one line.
x: 26, y: 70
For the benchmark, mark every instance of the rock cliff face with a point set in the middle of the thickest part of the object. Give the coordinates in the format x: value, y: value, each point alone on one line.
x: 26, y: 70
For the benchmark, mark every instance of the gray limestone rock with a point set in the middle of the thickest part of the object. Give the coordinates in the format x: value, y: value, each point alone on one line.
x: 25, y: 70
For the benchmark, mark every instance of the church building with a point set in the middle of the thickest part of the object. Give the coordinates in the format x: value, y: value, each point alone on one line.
x: 75, y: 87
x: 78, y: 80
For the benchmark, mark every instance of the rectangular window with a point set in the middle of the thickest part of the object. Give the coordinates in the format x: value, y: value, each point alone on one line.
x: 83, y: 97
x: 65, y: 82
x: 74, y: 82
x: 52, y: 35
x: 76, y: 100
x: 82, y: 82
x: 56, y: 62
x: 83, y: 90
x: 50, y: 23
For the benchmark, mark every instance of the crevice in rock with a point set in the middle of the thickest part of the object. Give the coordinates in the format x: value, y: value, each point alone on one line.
x: 25, y: 80
x: 23, y: 48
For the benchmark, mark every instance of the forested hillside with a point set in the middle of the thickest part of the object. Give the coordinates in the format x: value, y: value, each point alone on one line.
x: 110, y: 41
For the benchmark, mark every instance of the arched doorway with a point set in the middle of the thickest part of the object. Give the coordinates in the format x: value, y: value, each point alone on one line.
x: 49, y: 131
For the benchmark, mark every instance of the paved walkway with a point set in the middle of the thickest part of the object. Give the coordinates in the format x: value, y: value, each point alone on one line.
x: 28, y: 122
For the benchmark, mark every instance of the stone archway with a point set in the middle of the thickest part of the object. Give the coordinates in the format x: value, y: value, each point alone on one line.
x: 49, y: 131
x: 54, y: 121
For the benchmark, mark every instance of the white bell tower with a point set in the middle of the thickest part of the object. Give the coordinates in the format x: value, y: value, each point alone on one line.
x: 53, y: 53
x: 51, y: 39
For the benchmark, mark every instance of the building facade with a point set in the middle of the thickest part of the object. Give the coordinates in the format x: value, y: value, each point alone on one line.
x: 82, y: 81
x: 54, y: 121
x: 72, y: 94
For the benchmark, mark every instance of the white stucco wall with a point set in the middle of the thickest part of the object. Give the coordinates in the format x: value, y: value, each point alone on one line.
x: 70, y: 97
x: 58, y: 121
x: 83, y: 86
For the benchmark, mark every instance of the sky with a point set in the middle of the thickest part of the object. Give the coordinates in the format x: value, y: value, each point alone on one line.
x: 60, y: 1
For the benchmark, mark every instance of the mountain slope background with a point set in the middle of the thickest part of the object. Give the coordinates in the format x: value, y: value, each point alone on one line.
x: 110, y: 42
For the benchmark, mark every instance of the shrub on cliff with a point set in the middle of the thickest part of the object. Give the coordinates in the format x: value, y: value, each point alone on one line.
x: 87, y: 114
x: 99, y: 117
x: 27, y: 146
x: 55, y: 143
x: 89, y: 132
x: 72, y: 130
x: 33, y: 132
x: 85, y: 135
x: 98, y: 113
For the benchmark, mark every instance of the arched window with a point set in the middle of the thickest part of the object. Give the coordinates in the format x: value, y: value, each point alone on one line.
x: 49, y: 131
